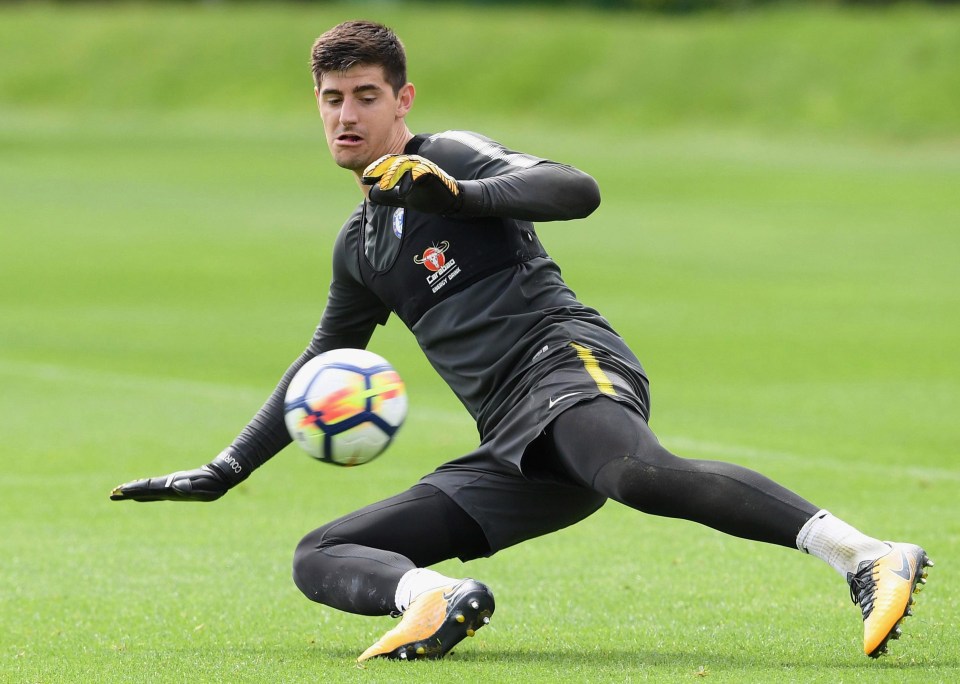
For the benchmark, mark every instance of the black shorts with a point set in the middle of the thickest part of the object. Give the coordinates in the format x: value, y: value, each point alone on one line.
x: 508, y: 506
x: 508, y: 485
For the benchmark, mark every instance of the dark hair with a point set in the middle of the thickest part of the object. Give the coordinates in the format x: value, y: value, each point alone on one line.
x: 360, y: 42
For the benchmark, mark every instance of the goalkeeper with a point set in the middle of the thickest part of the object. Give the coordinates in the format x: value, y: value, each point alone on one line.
x: 444, y: 239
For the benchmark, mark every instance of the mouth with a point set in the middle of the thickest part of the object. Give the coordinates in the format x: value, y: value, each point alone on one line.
x: 349, y: 139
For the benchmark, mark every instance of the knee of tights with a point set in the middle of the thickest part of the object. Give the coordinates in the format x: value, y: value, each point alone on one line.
x: 304, y: 553
x: 638, y: 484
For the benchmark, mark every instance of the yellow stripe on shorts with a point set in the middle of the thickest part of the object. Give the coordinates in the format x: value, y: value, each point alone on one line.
x: 592, y: 366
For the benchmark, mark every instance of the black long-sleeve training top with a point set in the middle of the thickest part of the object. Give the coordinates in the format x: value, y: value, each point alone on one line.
x: 486, y: 303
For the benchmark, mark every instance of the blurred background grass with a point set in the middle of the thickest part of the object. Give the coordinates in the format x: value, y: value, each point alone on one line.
x: 879, y: 73
x: 778, y: 241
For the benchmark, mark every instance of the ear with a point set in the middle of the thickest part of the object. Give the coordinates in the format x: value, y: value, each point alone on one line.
x: 316, y: 94
x: 405, y: 99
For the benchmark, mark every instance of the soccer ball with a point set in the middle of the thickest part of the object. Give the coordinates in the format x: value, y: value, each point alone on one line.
x: 344, y: 406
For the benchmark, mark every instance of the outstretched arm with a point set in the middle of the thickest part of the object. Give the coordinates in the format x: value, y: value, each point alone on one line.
x: 349, y: 319
x: 262, y: 438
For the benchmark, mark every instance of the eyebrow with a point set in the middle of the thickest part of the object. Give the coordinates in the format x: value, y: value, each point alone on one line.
x: 365, y: 87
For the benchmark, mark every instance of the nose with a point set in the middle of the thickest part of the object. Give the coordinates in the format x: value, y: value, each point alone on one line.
x: 348, y: 112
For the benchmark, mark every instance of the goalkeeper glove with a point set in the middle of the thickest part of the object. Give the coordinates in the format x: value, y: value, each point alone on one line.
x: 206, y: 483
x: 408, y: 180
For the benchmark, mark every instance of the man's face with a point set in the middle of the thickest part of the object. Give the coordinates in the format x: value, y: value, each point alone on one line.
x: 362, y: 117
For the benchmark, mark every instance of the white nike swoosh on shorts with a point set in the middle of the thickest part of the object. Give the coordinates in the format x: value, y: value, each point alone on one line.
x: 553, y: 402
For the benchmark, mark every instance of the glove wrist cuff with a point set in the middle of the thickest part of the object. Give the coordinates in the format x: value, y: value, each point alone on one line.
x: 229, y: 467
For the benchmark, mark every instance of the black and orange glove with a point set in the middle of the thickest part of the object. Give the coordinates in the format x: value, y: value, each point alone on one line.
x: 407, y: 180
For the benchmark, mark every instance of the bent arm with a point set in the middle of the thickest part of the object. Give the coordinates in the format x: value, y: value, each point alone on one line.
x: 547, y: 191
x: 497, y: 181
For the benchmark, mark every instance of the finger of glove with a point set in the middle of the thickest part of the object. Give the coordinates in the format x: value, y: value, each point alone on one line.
x: 183, y: 488
x: 149, y: 489
x: 431, y: 170
x: 377, y: 169
x: 394, y: 197
x: 396, y: 172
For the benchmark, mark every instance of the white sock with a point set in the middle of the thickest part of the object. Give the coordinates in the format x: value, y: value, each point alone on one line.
x: 418, y: 581
x: 840, y: 545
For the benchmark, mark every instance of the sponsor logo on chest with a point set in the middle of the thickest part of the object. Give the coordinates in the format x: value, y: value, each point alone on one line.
x: 441, y: 269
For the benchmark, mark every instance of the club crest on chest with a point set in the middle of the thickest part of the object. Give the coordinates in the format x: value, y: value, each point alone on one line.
x: 398, y: 222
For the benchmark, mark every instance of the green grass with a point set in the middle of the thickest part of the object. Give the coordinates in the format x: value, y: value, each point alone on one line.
x: 791, y: 286
x: 881, y: 73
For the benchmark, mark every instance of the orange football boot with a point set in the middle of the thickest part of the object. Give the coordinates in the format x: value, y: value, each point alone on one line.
x: 435, y: 622
x: 884, y: 590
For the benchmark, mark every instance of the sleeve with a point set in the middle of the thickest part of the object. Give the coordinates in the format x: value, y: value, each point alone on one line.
x: 496, y: 181
x: 349, y: 319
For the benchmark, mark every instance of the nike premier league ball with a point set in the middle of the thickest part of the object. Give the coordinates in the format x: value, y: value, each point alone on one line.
x: 345, y: 406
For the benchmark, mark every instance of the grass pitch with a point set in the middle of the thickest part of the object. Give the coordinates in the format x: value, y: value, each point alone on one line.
x: 794, y: 296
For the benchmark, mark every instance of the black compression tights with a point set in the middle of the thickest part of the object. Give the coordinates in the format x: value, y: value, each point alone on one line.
x: 355, y: 562
x: 603, y: 445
